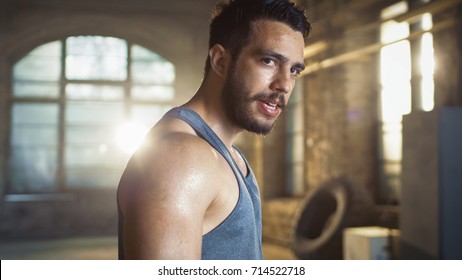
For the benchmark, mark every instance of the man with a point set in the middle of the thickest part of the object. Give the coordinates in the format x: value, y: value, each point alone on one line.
x: 188, y: 193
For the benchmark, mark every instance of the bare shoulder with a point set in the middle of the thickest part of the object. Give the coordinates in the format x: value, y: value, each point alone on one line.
x: 165, y: 192
x: 173, y: 164
x: 174, y: 189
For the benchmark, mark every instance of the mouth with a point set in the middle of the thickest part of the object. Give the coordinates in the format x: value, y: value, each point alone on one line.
x: 270, y: 108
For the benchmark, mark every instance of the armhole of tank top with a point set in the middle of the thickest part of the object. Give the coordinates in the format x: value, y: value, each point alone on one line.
x: 247, y: 165
x: 240, y: 182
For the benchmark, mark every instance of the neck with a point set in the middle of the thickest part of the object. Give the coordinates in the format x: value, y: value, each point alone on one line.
x: 207, y: 103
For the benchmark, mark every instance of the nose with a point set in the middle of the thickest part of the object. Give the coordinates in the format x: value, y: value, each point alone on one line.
x: 282, y: 81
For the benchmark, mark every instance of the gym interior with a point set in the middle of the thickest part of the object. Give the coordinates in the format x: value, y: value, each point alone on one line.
x: 365, y: 164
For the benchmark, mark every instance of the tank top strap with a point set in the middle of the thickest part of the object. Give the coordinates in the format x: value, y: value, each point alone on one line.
x: 201, y: 127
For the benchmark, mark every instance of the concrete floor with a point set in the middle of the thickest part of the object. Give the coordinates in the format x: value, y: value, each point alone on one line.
x: 92, y: 248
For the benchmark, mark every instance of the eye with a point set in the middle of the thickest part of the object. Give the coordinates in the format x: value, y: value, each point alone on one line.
x: 295, y: 72
x: 269, y: 61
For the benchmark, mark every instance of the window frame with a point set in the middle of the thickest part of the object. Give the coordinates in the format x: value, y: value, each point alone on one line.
x: 61, y: 186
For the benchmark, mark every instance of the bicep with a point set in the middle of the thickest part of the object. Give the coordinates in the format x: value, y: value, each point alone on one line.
x: 163, y: 219
x: 163, y: 231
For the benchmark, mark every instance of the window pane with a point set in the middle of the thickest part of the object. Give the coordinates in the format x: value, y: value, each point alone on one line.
x: 96, y: 135
x: 35, y: 89
x: 41, y: 64
x: 148, y: 67
x: 153, y: 72
x: 427, y: 68
x: 94, y: 112
x: 93, y: 163
x: 396, y: 101
x: 34, y: 147
x: 393, y: 31
x: 87, y: 155
x: 392, y: 141
x: 394, y: 10
x: 153, y: 93
x: 395, y: 61
x: 33, y: 169
x: 36, y: 114
x: 96, y: 58
x: 92, y: 159
x: 141, y: 53
x: 34, y: 135
x: 427, y: 92
x: 94, y: 92
x: 148, y: 115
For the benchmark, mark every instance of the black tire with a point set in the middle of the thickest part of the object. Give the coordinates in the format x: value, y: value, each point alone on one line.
x: 323, y: 215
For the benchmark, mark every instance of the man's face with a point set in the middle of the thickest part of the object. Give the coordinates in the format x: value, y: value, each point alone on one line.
x: 259, y: 82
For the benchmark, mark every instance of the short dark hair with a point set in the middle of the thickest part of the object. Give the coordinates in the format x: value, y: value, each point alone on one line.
x: 230, y: 21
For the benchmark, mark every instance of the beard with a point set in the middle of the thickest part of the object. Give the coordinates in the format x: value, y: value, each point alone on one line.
x: 237, y: 105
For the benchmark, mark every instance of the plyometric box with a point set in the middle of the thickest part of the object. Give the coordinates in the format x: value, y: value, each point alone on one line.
x: 370, y: 243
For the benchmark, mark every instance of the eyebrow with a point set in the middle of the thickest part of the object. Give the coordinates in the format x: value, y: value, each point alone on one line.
x: 282, y: 58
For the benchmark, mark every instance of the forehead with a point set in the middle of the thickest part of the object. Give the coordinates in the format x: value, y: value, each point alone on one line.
x: 276, y: 36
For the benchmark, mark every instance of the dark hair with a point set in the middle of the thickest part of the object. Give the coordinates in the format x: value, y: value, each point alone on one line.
x: 230, y: 21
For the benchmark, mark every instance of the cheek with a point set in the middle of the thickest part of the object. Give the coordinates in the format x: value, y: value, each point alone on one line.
x: 257, y: 79
x: 253, y: 77
x: 266, y: 78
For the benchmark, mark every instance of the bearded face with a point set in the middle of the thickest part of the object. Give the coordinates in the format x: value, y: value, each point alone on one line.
x: 261, y: 77
x: 239, y: 105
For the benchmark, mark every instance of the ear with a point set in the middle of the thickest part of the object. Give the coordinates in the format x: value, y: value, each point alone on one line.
x: 219, y: 60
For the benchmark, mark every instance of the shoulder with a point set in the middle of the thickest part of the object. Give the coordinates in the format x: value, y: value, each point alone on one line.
x: 173, y: 164
x: 174, y: 147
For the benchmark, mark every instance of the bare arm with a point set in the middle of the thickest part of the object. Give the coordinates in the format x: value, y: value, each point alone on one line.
x: 164, y: 210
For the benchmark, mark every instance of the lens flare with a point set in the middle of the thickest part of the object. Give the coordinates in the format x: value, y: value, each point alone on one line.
x: 130, y: 135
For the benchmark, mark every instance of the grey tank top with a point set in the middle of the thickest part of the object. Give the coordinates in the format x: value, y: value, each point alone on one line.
x: 238, y: 237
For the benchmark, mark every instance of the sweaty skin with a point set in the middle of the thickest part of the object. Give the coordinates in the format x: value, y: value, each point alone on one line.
x: 177, y: 187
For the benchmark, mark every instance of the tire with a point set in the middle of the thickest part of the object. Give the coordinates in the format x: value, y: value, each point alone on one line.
x: 323, y: 215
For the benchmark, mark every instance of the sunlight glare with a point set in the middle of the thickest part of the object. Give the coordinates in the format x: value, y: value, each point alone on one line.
x: 130, y: 136
x: 427, y: 69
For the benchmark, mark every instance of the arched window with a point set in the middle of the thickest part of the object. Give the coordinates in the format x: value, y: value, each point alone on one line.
x: 79, y: 107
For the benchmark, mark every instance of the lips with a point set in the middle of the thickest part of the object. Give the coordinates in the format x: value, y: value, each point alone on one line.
x: 270, y: 108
